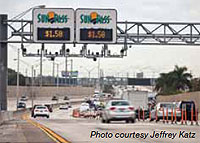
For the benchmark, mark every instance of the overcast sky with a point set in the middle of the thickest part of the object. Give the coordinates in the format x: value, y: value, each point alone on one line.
x: 149, y: 59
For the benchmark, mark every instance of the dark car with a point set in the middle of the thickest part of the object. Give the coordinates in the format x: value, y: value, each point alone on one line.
x: 49, y: 106
x: 54, y: 98
x: 66, y: 98
x: 24, y: 98
x: 188, y: 105
x: 21, y: 105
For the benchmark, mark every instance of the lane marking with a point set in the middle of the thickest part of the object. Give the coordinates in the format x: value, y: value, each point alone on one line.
x: 54, y: 136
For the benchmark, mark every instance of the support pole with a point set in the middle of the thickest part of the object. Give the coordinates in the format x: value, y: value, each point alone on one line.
x: 32, y: 83
x: 3, y: 63
x: 17, y: 76
x: 41, y: 55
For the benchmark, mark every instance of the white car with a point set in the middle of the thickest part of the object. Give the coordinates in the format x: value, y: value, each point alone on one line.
x: 64, y: 106
x: 117, y: 110
x: 41, y: 111
x: 162, y: 108
x: 84, y: 107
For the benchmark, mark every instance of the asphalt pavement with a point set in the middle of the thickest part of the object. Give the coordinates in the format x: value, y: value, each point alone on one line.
x: 63, y: 126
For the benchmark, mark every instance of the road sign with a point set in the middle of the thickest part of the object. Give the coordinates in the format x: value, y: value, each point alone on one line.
x: 69, y: 74
x: 96, y: 26
x: 53, y: 25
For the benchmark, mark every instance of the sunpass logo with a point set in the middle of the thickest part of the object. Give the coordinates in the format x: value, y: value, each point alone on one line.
x: 95, y: 18
x: 52, y: 17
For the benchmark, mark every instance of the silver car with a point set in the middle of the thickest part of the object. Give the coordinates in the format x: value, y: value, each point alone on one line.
x: 117, y: 110
x: 162, y: 108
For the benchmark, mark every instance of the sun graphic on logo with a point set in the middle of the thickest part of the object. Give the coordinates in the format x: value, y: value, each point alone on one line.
x: 93, y: 16
x: 51, y: 15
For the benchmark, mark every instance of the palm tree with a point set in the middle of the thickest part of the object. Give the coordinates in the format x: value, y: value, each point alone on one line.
x: 174, y: 81
x: 182, y: 79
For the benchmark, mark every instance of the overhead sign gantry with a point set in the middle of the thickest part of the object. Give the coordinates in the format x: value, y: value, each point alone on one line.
x: 53, y: 25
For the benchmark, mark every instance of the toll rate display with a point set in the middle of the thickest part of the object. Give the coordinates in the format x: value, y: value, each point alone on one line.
x: 96, y: 26
x: 96, y: 34
x: 50, y: 34
x: 53, y: 25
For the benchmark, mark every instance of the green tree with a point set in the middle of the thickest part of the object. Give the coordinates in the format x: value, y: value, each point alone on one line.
x: 175, y: 81
x: 12, y: 78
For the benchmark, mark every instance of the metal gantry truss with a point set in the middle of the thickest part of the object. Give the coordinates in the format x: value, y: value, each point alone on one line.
x: 158, y: 33
x: 128, y: 33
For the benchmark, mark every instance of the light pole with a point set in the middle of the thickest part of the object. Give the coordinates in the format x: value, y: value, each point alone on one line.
x: 17, y: 76
x: 89, y: 72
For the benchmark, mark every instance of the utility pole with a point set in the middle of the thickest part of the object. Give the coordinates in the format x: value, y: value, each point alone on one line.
x: 57, y: 76
x: 3, y: 62
x: 18, y: 75
x: 41, y: 55
x: 53, y: 71
x: 99, y: 88
x: 71, y: 72
x: 32, y: 83
x: 66, y: 69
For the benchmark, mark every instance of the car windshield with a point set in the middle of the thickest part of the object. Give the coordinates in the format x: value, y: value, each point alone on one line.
x: 120, y: 103
x: 40, y: 107
x: 167, y: 105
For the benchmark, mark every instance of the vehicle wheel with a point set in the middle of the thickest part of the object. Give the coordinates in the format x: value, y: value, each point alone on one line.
x: 103, y: 121
x: 132, y: 120
x: 127, y: 121
x: 107, y: 121
x: 47, y: 116
x: 34, y: 116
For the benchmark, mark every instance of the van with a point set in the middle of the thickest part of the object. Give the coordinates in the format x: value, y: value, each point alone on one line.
x: 188, y: 106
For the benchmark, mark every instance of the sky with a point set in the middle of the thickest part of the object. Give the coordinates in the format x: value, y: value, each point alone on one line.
x: 148, y: 59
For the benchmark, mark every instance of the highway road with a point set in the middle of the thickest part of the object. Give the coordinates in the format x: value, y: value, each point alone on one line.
x: 78, y: 130
x: 42, y: 100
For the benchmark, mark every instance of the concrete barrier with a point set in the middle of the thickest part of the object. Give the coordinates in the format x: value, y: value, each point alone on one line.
x: 5, y: 116
x: 11, y: 115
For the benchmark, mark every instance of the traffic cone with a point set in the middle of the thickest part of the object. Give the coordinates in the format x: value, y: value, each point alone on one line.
x: 167, y: 115
x: 185, y: 116
x: 182, y: 116
x: 175, y: 116
x: 163, y: 115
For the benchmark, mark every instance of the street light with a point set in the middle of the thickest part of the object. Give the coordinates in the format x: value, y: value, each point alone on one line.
x: 17, y: 76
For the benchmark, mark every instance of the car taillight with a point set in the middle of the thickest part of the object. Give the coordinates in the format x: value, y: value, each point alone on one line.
x: 112, y: 108
x: 36, y: 110
x: 131, y: 108
x: 45, y: 110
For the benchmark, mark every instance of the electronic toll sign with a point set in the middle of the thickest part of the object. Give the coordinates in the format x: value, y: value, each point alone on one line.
x: 53, y: 25
x: 96, y: 26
